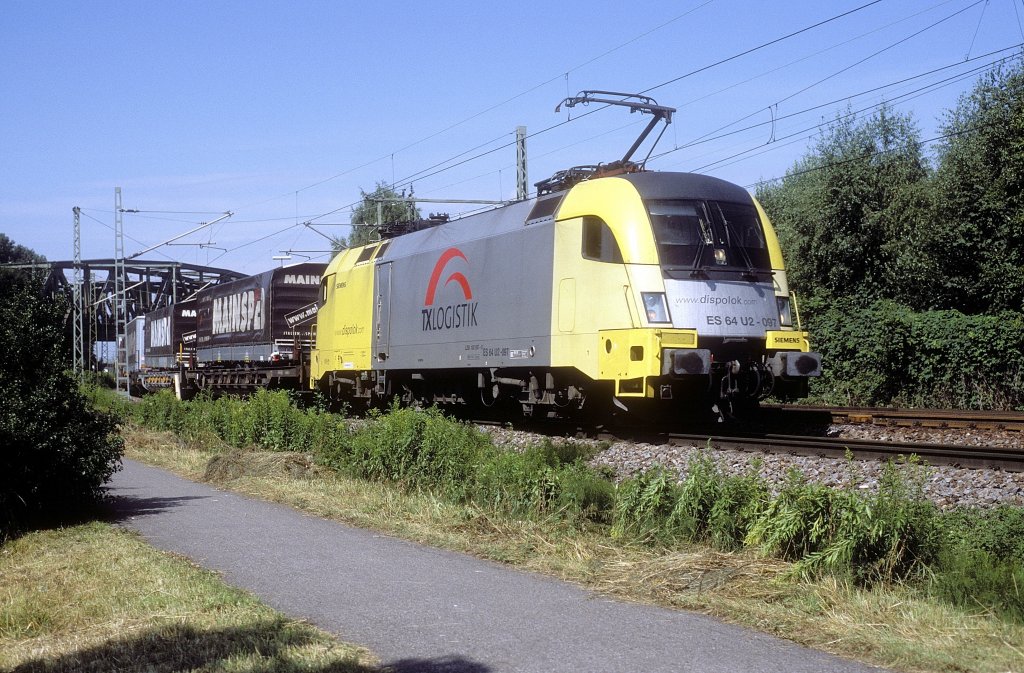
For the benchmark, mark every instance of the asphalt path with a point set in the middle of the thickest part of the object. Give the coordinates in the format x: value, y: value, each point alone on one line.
x: 425, y: 609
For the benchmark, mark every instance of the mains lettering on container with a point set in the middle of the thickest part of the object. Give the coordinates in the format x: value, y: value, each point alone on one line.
x: 159, y: 332
x: 239, y: 312
x: 301, y: 279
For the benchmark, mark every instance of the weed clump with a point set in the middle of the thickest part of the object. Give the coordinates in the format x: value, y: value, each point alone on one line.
x: 417, y: 449
x: 544, y: 479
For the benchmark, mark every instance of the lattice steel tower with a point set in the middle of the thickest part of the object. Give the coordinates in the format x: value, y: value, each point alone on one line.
x: 78, y: 337
x: 120, y: 299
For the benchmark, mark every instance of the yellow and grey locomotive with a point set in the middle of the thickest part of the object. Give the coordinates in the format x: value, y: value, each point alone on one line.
x: 641, y: 289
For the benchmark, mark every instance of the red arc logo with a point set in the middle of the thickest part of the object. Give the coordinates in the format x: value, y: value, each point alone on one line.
x: 435, y: 277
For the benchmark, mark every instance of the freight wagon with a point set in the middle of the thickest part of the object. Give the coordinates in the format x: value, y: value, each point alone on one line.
x: 169, y: 351
x: 254, y: 332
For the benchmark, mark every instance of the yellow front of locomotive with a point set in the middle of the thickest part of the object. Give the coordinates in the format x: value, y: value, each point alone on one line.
x: 671, y: 286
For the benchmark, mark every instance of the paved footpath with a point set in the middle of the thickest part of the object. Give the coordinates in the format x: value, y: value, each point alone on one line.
x: 424, y: 609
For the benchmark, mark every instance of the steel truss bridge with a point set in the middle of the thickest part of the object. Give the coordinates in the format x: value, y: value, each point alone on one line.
x: 147, y: 286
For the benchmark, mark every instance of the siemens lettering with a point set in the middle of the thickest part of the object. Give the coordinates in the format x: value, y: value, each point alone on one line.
x: 242, y: 312
x: 453, y: 316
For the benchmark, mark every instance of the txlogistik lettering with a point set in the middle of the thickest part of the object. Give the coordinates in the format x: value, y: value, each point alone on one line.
x: 454, y: 316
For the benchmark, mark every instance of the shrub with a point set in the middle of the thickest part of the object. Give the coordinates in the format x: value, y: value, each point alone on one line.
x: 882, y: 537
x: 512, y: 483
x: 579, y: 491
x: 716, y: 508
x: 644, y: 504
x: 57, y: 450
x: 981, y: 562
x: 975, y: 578
x: 543, y: 479
x: 885, y: 353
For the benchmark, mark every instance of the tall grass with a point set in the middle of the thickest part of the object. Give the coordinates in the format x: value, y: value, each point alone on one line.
x: 894, y: 534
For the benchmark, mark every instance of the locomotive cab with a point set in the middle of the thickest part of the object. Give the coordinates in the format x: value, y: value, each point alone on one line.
x: 703, y: 268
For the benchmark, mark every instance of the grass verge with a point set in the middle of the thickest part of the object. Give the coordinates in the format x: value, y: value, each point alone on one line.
x: 94, y: 597
x: 890, y: 625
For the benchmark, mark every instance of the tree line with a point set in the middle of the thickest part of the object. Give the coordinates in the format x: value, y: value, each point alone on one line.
x: 903, y: 256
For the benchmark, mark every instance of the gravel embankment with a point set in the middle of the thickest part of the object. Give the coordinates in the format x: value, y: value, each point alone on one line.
x: 946, y: 486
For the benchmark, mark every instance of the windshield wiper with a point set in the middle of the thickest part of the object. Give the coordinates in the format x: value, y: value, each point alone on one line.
x: 706, y: 239
x: 751, y: 272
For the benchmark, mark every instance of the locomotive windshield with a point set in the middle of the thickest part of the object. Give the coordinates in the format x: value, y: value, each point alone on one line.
x: 702, y: 236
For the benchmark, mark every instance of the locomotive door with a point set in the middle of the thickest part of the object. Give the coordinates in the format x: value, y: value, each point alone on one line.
x: 382, y: 324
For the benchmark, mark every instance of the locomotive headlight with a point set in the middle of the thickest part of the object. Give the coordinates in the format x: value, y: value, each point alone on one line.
x: 785, y: 313
x: 656, y: 306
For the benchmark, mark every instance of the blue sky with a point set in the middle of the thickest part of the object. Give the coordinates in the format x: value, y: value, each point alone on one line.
x: 282, y: 112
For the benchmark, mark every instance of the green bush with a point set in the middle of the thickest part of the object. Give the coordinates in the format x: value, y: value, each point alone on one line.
x: 998, y: 531
x: 715, y: 508
x: 512, y: 483
x: 580, y: 491
x: 707, y: 506
x: 974, y: 578
x: 56, y: 450
x: 644, y: 505
x: 981, y: 563
x: 543, y: 479
x: 885, y: 353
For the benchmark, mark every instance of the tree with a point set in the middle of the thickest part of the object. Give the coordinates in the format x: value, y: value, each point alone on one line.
x: 844, y: 210
x: 381, y: 203
x: 56, y: 452
x: 979, y: 197
x: 11, y: 252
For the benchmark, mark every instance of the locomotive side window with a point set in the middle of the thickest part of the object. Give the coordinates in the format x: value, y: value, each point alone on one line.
x: 366, y: 254
x: 599, y: 242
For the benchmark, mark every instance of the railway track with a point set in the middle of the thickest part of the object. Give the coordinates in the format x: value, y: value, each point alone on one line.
x: 1008, y: 459
x: 815, y: 419
x: 920, y: 418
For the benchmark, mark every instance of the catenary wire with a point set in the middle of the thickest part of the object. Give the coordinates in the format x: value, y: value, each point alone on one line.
x: 836, y: 17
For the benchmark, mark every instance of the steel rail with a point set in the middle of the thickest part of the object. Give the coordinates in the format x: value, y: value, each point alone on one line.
x: 923, y: 418
x: 1010, y: 459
